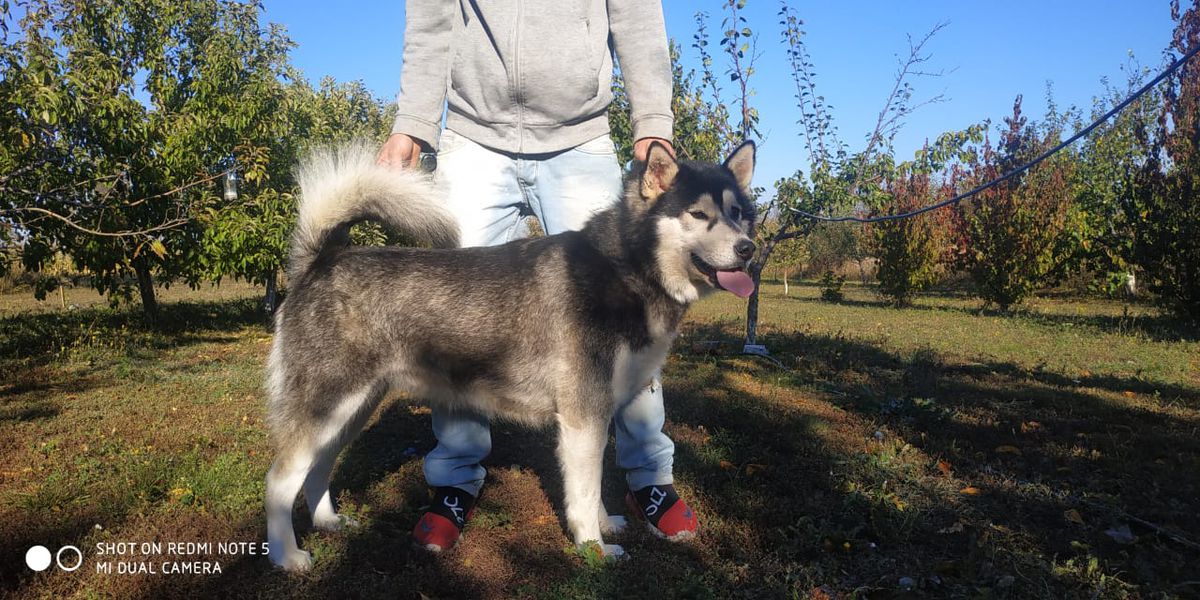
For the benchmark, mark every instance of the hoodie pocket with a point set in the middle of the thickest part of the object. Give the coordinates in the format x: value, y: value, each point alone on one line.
x: 560, y: 66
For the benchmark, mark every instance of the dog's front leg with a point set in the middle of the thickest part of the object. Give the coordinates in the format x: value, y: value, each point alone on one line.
x: 581, y: 453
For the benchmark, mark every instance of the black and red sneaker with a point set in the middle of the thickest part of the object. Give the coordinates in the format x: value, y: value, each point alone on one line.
x: 441, y: 526
x: 667, y: 515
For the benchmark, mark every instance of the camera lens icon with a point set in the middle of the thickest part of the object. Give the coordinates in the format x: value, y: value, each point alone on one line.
x: 38, y: 558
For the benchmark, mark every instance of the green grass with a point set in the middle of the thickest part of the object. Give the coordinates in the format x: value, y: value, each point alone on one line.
x: 965, y: 453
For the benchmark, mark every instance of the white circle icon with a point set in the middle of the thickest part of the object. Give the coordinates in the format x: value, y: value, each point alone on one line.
x: 58, y: 558
x: 38, y: 558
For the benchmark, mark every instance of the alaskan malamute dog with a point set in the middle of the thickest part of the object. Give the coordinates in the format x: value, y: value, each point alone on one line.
x: 557, y: 329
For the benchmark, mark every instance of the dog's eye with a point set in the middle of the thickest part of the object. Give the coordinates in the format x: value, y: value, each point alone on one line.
x: 699, y: 214
x: 735, y: 213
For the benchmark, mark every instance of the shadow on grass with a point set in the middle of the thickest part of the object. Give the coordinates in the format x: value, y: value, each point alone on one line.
x: 31, y: 384
x: 1039, y: 443
x: 40, y: 338
x: 794, y: 490
x: 31, y: 344
x: 765, y: 534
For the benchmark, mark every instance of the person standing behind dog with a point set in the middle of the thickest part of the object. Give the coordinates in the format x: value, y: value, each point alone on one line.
x: 527, y: 84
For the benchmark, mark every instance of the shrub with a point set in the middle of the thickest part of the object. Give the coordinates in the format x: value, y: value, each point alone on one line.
x: 1012, y: 229
x: 909, y: 250
x: 831, y: 287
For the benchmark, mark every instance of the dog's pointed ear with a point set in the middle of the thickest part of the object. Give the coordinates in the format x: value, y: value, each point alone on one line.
x: 660, y: 172
x: 741, y: 164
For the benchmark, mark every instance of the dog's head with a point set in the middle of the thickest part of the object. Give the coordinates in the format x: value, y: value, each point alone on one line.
x: 703, y: 220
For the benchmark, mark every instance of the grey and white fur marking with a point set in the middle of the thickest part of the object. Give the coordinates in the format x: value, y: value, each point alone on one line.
x: 560, y: 329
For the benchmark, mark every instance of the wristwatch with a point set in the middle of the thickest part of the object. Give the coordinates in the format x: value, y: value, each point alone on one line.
x: 428, y: 162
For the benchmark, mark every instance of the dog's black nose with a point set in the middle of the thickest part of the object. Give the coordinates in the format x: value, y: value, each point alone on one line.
x: 744, y: 249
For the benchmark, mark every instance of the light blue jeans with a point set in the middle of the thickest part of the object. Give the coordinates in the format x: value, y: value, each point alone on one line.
x: 491, y: 192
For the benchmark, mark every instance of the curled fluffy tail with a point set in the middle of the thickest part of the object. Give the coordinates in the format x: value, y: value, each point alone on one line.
x: 341, y: 186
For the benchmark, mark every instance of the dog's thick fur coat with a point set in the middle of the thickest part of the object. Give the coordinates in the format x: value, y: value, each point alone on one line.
x: 558, y: 329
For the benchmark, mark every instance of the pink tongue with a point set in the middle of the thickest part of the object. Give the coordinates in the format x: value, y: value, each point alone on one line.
x: 737, y: 282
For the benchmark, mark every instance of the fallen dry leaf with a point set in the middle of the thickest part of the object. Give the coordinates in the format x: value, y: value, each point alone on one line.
x: 753, y: 468
x: 727, y: 465
x: 818, y: 594
x: 970, y: 490
x: 1073, y: 516
x: 1128, y: 394
x: 944, y: 466
x: 1006, y: 449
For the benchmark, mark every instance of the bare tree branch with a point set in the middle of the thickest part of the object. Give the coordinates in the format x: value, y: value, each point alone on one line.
x: 169, y: 224
x: 896, y: 106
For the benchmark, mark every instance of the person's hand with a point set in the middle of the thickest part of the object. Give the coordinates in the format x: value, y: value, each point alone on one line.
x: 642, y: 147
x: 400, y: 151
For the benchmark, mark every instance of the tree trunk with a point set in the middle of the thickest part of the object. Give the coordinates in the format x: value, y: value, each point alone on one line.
x: 752, y: 306
x: 785, y: 285
x: 270, y: 299
x: 146, y: 289
x: 756, y: 268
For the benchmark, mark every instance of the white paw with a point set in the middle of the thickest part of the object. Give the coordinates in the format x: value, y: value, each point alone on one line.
x: 613, y: 551
x: 612, y: 524
x: 295, y: 562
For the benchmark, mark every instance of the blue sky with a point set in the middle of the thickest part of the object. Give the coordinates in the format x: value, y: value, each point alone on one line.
x: 990, y: 53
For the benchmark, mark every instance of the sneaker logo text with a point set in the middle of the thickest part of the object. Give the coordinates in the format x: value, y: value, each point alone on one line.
x: 454, y: 508
x: 656, y: 499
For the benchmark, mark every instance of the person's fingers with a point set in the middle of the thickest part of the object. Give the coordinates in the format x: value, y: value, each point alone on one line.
x: 641, y: 148
x: 414, y: 159
x: 385, y: 152
x: 398, y: 152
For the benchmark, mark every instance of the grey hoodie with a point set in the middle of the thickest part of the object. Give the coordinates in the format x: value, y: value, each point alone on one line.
x: 531, y: 76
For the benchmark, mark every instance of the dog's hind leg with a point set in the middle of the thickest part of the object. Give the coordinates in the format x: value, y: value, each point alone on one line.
x: 581, y: 454
x: 316, y: 491
x: 340, y: 429
x: 283, y: 483
x: 308, y: 456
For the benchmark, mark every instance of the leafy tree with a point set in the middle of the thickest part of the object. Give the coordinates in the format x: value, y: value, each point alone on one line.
x: 913, y: 252
x: 788, y: 258
x: 127, y: 112
x: 830, y: 246
x: 701, y: 130
x: 1011, y: 229
x: 1106, y: 166
x: 1166, y: 199
x: 908, y: 249
x: 249, y: 240
x: 836, y: 180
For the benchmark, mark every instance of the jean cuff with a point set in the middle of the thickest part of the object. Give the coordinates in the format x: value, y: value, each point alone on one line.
x: 640, y: 478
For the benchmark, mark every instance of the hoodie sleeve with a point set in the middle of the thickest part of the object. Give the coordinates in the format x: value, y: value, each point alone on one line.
x: 639, y: 38
x: 426, y: 69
